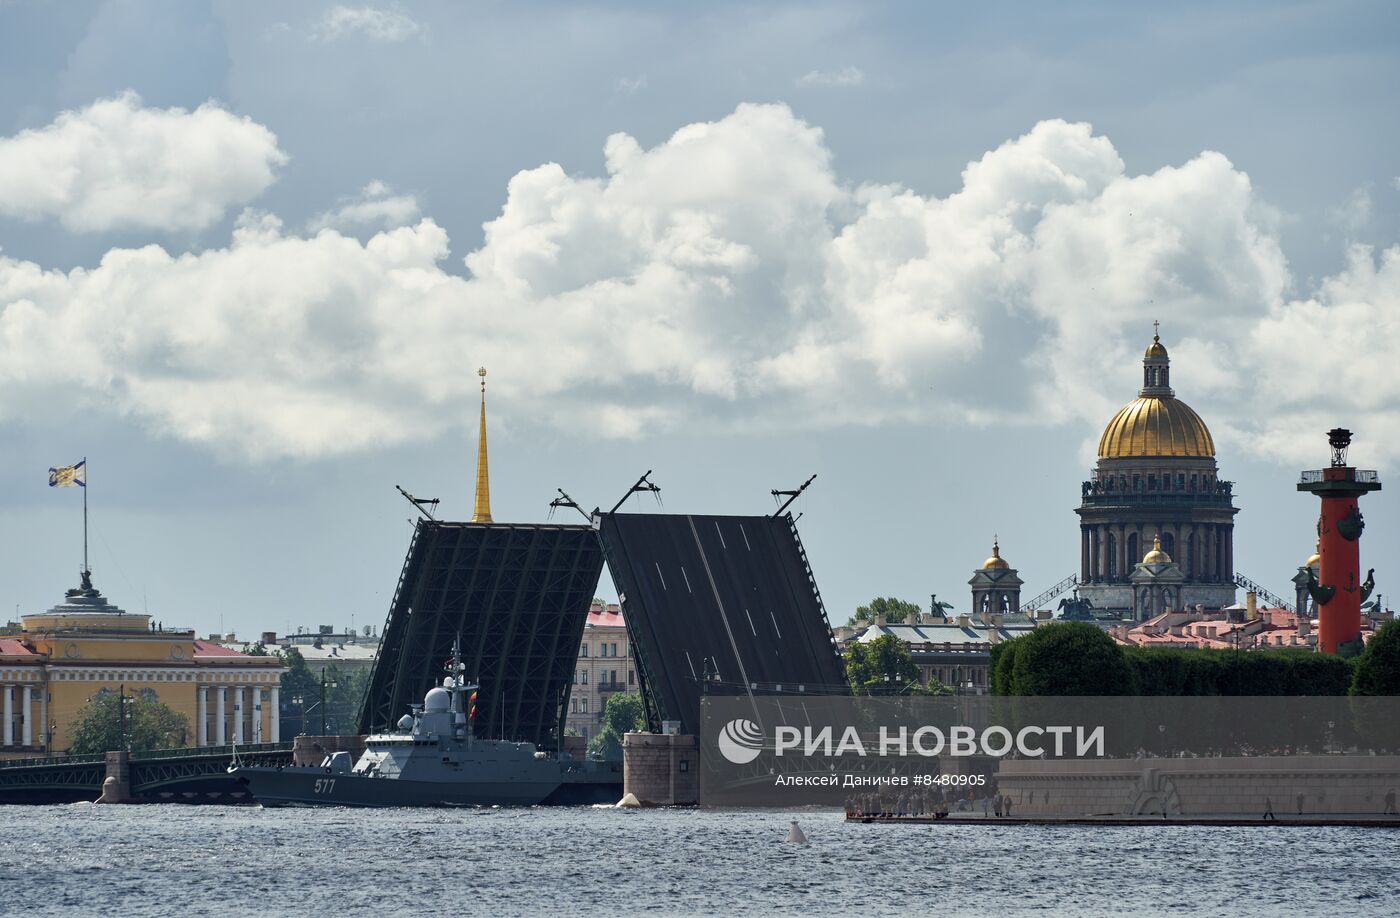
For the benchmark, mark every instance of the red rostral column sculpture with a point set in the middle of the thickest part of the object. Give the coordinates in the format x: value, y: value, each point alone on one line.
x: 1338, y: 589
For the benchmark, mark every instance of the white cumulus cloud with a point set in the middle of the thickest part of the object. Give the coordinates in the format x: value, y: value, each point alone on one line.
x: 389, y: 25
x: 727, y: 278
x: 845, y: 76
x: 117, y: 164
x: 376, y: 206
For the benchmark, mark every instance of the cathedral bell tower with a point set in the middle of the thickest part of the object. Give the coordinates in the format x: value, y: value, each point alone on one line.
x: 996, y: 590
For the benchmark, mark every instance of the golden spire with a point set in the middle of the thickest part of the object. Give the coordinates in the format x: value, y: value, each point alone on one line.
x: 481, y: 512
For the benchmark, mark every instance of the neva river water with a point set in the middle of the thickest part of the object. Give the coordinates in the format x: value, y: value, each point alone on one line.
x: 174, y: 860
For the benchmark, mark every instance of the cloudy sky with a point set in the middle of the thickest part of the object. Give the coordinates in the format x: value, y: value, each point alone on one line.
x: 252, y: 253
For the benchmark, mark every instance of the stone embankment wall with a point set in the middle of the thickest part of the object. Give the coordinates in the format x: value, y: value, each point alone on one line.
x: 1315, y: 785
x: 661, y: 769
x: 310, y: 751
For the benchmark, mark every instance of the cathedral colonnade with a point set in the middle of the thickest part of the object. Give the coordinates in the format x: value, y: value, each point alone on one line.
x: 1109, y: 551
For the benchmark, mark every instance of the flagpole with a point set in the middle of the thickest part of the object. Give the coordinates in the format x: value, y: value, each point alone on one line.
x: 86, y: 568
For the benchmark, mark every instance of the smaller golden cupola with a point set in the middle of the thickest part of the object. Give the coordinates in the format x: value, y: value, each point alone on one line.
x: 1156, y: 555
x: 996, y: 562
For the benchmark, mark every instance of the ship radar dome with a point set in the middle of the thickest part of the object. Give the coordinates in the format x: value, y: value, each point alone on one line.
x: 437, y: 701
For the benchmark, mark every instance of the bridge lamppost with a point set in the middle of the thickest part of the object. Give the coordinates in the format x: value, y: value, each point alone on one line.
x: 300, y: 701
x: 122, y: 701
x: 325, y: 684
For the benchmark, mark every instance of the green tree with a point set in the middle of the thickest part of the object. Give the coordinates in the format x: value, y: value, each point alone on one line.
x: 1002, y: 665
x: 894, y: 610
x: 344, y: 700
x: 1069, y: 658
x: 622, y: 714
x: 884, y: 667
x: 1378, y: 668
x: 345, y: 690
x: 148, y: 724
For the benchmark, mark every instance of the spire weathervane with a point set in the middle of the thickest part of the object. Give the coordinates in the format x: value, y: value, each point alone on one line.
x: 481, y: 511
x: 1156, y: 330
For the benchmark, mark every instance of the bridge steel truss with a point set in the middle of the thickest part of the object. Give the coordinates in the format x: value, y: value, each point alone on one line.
x: 517, y: 595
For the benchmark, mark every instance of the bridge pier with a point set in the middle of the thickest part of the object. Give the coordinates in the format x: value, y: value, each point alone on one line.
x: 116, y: 786
x: 661, y: 769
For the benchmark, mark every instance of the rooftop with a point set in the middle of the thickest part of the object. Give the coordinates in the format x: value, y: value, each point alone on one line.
x: 605, y: 616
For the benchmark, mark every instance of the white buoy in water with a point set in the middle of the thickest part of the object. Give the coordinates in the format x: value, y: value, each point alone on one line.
x: 629, y: 802
x: 795, y: 834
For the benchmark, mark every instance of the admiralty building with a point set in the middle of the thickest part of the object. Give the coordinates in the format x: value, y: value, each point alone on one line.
x: 1156, y: 478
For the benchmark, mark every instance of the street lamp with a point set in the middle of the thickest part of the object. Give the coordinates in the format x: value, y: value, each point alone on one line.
x: 300, y: 701
x: 325, y: 684
x: 121, y: 717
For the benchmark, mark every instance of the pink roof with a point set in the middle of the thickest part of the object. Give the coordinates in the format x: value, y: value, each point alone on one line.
x: 15, y: 648
x: 608, y: 617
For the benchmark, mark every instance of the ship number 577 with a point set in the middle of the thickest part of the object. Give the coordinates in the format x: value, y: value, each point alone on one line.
x: 324, y: 785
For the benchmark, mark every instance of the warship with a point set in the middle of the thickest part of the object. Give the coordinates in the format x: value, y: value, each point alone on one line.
x: 435, y: 760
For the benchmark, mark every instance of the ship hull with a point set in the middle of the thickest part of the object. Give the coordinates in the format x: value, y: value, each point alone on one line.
x: 291, y: 786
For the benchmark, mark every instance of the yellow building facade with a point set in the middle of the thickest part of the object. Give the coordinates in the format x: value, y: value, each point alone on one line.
x: 85, y: 646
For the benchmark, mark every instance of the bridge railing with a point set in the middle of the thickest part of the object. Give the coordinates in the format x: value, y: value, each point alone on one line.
x: 54, y: 760
x: 183, y: 752
x: 189, y: 751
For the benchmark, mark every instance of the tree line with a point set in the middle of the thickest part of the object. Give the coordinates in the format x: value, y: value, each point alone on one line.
x: 1077, y: 658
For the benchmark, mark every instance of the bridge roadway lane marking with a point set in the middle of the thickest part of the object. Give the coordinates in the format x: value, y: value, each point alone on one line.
x: 733, y: 645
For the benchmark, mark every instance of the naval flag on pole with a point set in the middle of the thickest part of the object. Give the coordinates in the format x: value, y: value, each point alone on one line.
x: 69, y: 476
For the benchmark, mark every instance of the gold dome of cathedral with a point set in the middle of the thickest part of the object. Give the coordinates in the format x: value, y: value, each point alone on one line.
x: 1156, y: 423
x: 1156, y: 426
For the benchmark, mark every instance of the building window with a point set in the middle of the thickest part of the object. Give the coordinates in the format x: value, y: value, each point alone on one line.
x: 583, y: 705
x: 603, y: 649
x: 585, y: 677
x: 583, y: 651
x: 631, y: 677
x: 614, y: 648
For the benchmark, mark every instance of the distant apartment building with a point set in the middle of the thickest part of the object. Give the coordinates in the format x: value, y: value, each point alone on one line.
x: 605, y: 667
x: 348, y: 650
x: 954, y: 651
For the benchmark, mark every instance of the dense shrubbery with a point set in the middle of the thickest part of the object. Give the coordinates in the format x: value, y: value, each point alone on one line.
x: 1068, y: 658
x: 1378, y: 668
x: 1076, y: 658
